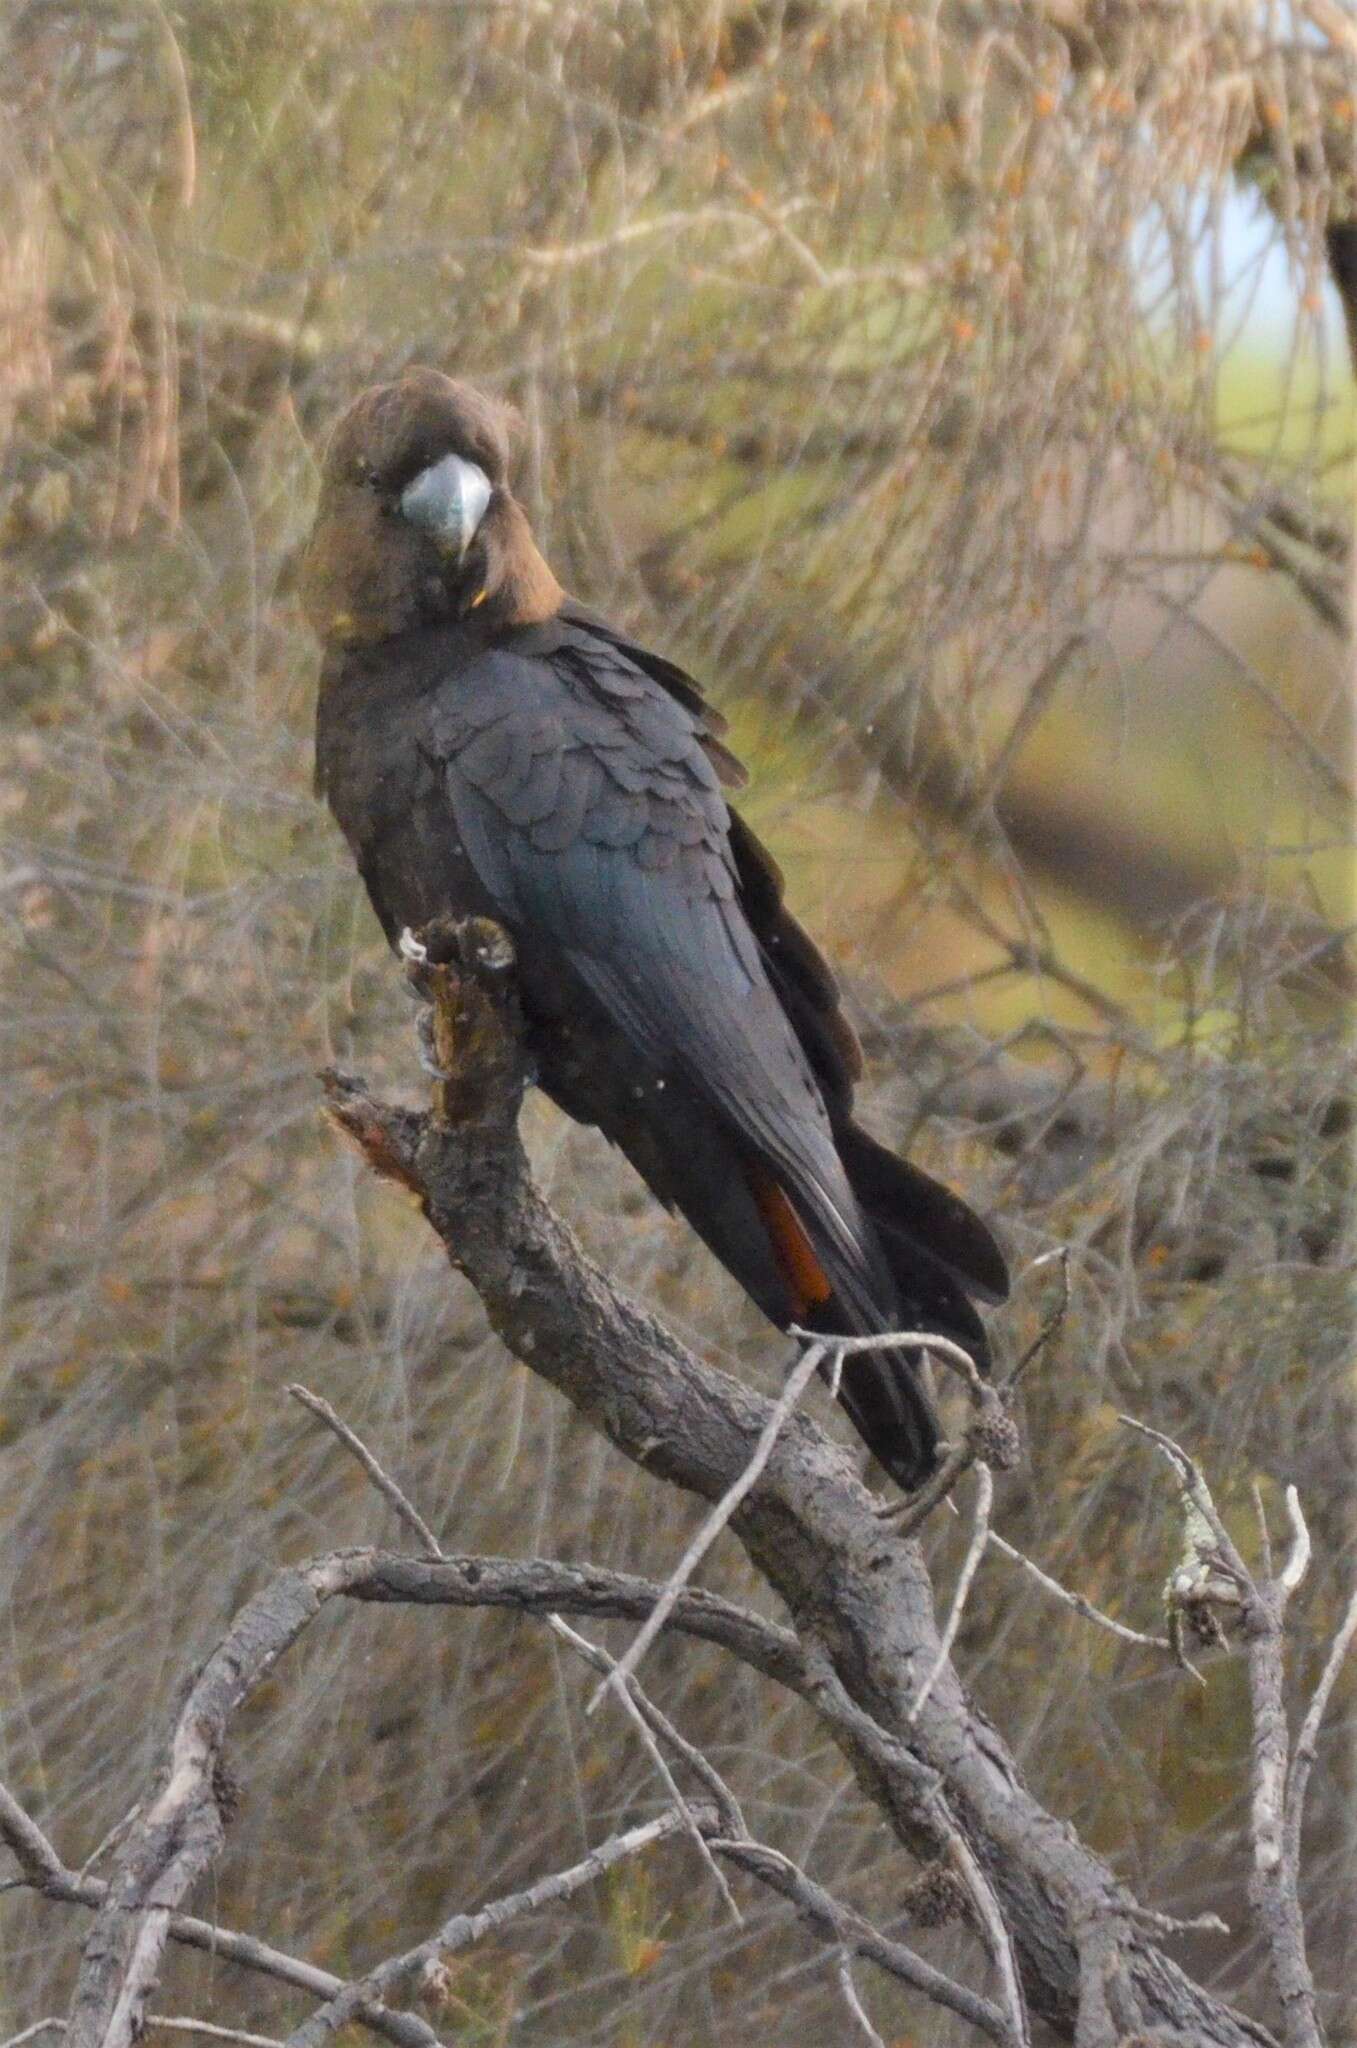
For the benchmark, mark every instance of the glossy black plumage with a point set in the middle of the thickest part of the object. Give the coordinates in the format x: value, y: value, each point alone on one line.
x: 547, y: 772
x: 548, y: 780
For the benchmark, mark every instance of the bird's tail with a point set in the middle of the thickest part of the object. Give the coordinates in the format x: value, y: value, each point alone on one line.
x: 916, y: 1258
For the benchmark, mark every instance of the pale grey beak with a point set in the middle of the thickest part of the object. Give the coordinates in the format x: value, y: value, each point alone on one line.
x: 448, y: 500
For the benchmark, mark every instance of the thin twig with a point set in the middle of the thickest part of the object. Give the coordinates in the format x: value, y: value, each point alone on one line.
x: 844, y: 1927
x: 1264, y: 1533
x: 1050, y: 1329
x: 998, y: 1938
x: 797, y: 1381
x: 168, y: 2023
x: 1307, y: 1742
x: 984, y: 1501
x: 1172, y: 1923
x: 644, y: 1718
x: 111, y: 1839
x: 384, y: 1483
x: 210, y: 2031
x: 463, y: 1930
x: 1298, y: 1563
x: 942, y: 1348
x: 993, y: 1400
x: 909, y: 1514
x: 906, y: 1516
x: 843, y: 1970
x: 1195, y: 1488
x: 727, y: 1805
x: 1076, y: 1601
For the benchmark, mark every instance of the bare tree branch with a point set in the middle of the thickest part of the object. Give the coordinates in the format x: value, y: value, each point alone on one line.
x: 1076, y: 1601
x: 463, y: 1929
x: 45, y: 1872
x: 1214, y: 1575
x: 836, y: 1923
x: 807, y: 1523
x: 857, y: 2012
x: 1304, y: 1753
x: 179, y: 1831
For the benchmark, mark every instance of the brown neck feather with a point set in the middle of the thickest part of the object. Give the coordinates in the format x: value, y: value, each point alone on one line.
x: 519, y: 587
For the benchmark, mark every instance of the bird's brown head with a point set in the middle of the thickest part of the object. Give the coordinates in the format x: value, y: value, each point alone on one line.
x: 416, y: 522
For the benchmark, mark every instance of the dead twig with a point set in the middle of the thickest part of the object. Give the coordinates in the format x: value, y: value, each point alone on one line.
x: 45, y: 1873
x: 984, y: 1501
x: 1213, y: 1577
x: 727, y: 1805
x: 839, y: 1924
x: 381, y: 1479
x: 425, y: 1960
x: 1076, y: 1601
x: 798, y: 1379
x: 998, y: 1937
x: 848, y: 1990
x: 1307, y: 1742
x: 648, y: 1722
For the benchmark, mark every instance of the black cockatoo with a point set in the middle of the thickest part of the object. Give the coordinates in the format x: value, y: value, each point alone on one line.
x: 491, y: 748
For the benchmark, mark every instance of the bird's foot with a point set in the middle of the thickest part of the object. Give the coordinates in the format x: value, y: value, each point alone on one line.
x: 476, y: 951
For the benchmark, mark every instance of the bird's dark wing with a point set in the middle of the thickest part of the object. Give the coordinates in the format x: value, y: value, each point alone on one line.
x: 592, y: 813
x: 933, y: 1223
x: 798, y: 971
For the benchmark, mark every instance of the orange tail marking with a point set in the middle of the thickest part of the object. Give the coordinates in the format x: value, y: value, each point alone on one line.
x: 790, y: 1243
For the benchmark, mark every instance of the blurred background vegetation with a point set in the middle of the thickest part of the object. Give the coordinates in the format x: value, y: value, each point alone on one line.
x: 962, y: 391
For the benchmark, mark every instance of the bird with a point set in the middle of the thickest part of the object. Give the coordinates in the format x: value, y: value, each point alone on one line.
x: 492, y: 748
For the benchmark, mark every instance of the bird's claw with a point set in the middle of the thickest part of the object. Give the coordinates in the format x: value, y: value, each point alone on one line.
x: 414, y: 957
